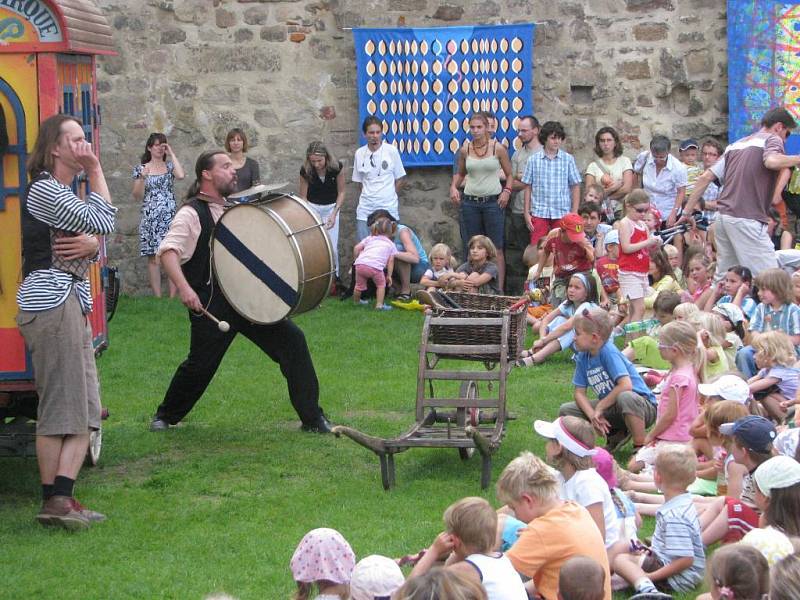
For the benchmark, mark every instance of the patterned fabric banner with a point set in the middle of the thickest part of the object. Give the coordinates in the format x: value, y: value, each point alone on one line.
x: 425, y: 82
x: 763, y: 63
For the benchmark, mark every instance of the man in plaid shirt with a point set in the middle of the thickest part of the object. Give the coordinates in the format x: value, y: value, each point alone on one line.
x: 553, y: 183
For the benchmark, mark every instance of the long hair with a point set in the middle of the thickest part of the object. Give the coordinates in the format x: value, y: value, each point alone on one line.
x: 782, y: 511
x: 742, y: 569
x: 152, y: 140
x: 204, y: 162
x: 661, y: 261
x: 318, y: 149
x: 785, y: 578
x: 41, y: 158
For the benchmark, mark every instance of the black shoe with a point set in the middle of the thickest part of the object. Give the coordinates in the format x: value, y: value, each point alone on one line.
x: 158, y: 424
x: 321, y: 425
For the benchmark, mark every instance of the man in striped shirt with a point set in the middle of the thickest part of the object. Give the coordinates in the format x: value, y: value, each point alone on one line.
x: 54, y: 301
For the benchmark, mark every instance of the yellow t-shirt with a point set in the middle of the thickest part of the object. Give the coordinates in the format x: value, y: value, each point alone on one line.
x: 552, y: 539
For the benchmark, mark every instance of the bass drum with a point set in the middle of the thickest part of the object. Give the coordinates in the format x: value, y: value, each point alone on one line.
x: 272, y: 258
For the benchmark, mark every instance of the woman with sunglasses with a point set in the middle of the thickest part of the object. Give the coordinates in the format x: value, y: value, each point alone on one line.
x: 379, y: 170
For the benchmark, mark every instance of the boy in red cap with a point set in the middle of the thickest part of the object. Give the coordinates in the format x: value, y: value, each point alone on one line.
x: 572, y: 253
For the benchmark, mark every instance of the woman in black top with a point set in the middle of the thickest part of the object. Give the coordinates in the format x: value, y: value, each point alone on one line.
x: 247, y: 171
x: 322, y: 184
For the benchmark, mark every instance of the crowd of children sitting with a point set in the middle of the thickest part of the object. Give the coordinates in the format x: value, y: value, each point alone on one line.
x: 701, y: 377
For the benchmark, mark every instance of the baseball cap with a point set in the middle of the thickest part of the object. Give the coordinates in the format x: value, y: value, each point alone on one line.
x: 730, y: 311
x: 777, y: 473
x: 727, y: 387
x: 686, y: 144
x: 612, y: 237
x: 375, y: 577
x: 572, y: 224
x: 756, y: 433
x: 557, y: 431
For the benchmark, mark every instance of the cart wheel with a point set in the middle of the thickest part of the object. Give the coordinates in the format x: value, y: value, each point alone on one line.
x: 467, y: 416
x: 95, y: 445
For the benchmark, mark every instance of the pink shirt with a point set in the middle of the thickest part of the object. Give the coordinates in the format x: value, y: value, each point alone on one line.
x: 375, y: 251
x: 684, y: 382
x: 185, y: 231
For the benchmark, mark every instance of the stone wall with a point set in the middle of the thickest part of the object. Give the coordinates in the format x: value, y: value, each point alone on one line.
x: 285, y: 72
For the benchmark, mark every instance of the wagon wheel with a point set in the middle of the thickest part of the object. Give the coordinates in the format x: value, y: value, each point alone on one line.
x: 467, y: 416
x: 95, y: 446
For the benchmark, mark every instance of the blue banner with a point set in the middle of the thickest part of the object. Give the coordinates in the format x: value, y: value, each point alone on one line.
x: 423, y: 83
x: 763, y: 64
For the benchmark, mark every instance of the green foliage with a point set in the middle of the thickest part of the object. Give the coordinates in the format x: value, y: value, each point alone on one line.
x: 220, y: 502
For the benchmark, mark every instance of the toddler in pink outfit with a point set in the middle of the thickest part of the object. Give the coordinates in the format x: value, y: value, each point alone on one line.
x: 374, y: 254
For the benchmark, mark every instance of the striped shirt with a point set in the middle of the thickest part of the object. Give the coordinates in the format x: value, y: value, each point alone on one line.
x: 748, y: 304
x: 550, y: 180
x: 56, y: 205
x: 786, y: 319
x: 677, y: 535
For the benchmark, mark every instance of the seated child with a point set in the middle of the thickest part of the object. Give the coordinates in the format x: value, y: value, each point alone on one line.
x: 470, y: 527
x: 572, y: 253
x: 734, y: 288
x: 784, y: 579
x: 375, y: 577
x: 624, y: 406
x: 555, y: 329
x: 676, y: 560
x: 644, y: 350
x: 627, y: 517
x: 608, y: 271
x: 685, y: 310
x: 733, y: 322
x: 441, y: 271
x: 581, y: 578
x: 480, y: 271
x: 556, y: 531
x: 710, y: 337
x: 441, y: 583
x: 674, y: 257
x: 698, y: 281
x: 323, y: 560
x: 569, y: 448
x: 662, y: 278
x: 737, y: 572
x: 775, y: 385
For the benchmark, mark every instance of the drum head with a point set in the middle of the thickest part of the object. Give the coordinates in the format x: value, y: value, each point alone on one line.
x: 255, y: 264
x: 256, y: 192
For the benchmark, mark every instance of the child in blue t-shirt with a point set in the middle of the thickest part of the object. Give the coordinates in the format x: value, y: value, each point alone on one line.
x: 625, y: 405
x: 734, y: 288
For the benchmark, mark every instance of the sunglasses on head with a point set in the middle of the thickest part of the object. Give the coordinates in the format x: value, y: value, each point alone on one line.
x: 642, y: 211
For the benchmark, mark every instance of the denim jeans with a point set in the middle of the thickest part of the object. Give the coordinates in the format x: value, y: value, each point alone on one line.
x: 481, y: 218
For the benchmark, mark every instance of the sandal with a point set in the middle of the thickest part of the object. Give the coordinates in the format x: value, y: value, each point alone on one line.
x: 403, y: 297
x: 525, y: 361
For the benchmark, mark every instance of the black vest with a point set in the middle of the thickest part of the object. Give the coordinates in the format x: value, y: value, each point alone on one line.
x: 197, y: 269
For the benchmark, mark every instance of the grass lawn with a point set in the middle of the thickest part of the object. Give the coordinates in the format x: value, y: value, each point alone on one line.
x: 220, y: 502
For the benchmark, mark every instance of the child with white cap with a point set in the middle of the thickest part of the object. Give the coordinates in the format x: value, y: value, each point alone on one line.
x: 323, y: 560
x: 608, y: 271
x: 570, y: 448
x: 375, y: 578
x: 733, y: 322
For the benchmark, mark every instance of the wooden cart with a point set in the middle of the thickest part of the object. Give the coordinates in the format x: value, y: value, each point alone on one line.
x: 482, y: 330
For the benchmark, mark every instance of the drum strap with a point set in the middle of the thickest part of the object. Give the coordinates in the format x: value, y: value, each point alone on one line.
x: 197, y: 269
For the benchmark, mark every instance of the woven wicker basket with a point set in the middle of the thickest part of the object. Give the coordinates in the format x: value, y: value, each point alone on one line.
x: 481, y: 305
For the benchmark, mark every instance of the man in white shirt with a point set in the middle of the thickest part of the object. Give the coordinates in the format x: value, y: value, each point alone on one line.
x: 379, y: 170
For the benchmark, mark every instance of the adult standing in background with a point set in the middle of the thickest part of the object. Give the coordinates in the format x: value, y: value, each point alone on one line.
x: 748, y: 170
x: 247, y: 172
x: 710, y: 151
x: 611, y: 170
x: 54, y: 301
x: 663, y: 177
x: 153, y: 187
x: 379, y: 170
x: 482, y: 205
x: 322, y: 184
x: 517, y: 234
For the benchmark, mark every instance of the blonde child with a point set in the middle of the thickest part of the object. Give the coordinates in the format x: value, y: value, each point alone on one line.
x: 652, y: 219
x: 796, y: 286
x: 480, y: 271
x: 784, y: 580
x: 737, y: 572
x: 556, y: 328
x: 556, y: 531
x: 323, y: 561
x: 685, y: 310
x: 775, y: 384
x: 441, y: 583
x: 776, y: 311
x: 468, y: 539
x: 570, y: 448
x: 698, y: 281
x: 710, y: 338
x: 635, y: 242
x: 441, y: 271
x: 733, y: 322
x: 374, y: 254
x: 678, y: 402
x: 674, y: 257
x: 676, y: 558
x: 581, y: 578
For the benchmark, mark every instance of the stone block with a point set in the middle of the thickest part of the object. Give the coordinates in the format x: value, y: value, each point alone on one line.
x: 407, y: 5
x: 221, y: 94
x: 448, y: 12
x: 237, y: 58
x: 644, y: 101
x: 486, y: 9
x: 256, y: 15
x: 634, y: 69
x: 581, y: 31
x: 650, y: 32
x: 113, y: 65
x: 348, y: 19
x: 122, y: 22
x: 672, y: 67
x: 173, y: 36
x: 273, y: 33
x: 197, y: 12
x: 182, y: 89
x: 243, y: 35
x: 648, y: 5
x: 699, y: 62
x: 691, y: 37
x: 297, y: 37
x: 225, y: 18
x: 265, y: 117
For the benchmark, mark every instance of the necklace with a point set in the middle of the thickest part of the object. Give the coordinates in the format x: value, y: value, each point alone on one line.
x: 486, y: 150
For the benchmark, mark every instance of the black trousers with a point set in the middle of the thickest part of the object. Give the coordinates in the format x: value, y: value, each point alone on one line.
x: 283, y: 342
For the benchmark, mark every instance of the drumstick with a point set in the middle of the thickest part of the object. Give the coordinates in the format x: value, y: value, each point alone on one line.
x: 518, y: 304
x: 224, y: 326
